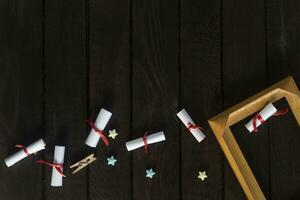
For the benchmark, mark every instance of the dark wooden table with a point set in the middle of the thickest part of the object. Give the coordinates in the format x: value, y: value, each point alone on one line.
x: 62, y: 60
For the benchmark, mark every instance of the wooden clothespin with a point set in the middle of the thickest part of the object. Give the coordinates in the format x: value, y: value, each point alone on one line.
x: 83, y: 163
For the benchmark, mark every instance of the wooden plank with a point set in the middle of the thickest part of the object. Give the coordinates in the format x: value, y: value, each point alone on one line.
x: 201, y: 94
x: 244, y: 74
x: 283, y: 20
x: 155, y: 97
x: 21, y: 109
x: 65, y: 91
x: 110, y: 88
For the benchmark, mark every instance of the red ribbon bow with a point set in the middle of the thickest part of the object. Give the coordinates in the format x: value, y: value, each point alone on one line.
x: 100, y: 133
x: 145, y: 142
x: 24, y: 148
x: 58, y: 167
x: 193, y: 126
x: 261, y: 120
x: 281, y: 112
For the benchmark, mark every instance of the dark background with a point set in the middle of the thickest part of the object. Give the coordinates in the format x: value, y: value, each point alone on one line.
x: 62, y: 60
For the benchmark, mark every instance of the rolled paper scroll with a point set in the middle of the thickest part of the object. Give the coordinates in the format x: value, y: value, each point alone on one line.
x: 150, y: 139
x: 189, y: 123
x: 262, y: 116
x: 57, y: 177
x: 24, y: 152
x: 100, y: 123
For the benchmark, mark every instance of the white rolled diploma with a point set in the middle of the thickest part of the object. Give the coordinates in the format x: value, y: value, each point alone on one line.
x: 59, y: 155
x: 101, y: 121
x: 153, y: 138
x: 265, y: 114
x: 19, y: 155
x: 186, y: 119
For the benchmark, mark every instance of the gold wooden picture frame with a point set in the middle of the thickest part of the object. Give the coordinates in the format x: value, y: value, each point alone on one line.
x: 222, y: 122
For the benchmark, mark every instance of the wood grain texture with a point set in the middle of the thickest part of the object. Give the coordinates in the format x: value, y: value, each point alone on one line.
x: 201, y: 94
x: 244, y: 74
x: 155, y: 97
x: 110, y: 87
x: 283, y: 30
x: 65, y: 92
x: 61, y: 61
x: 21, y: 113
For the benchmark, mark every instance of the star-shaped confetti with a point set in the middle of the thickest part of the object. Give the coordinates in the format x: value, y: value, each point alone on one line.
x: 202, y: 175
x: 112, y: 133
x: 150, y: 173
x: 111, y: 161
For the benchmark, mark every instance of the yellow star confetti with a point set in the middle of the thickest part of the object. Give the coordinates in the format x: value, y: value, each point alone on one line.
x: 202, y: 175
x: 112, y: 133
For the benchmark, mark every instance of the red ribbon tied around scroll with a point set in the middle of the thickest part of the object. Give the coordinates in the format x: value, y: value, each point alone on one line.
x: 261, y: 120
x: 145, y: 142
x: 24, y: 148
x: 193, y: 126
x: 58, y: 167
x: 100, y: 133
